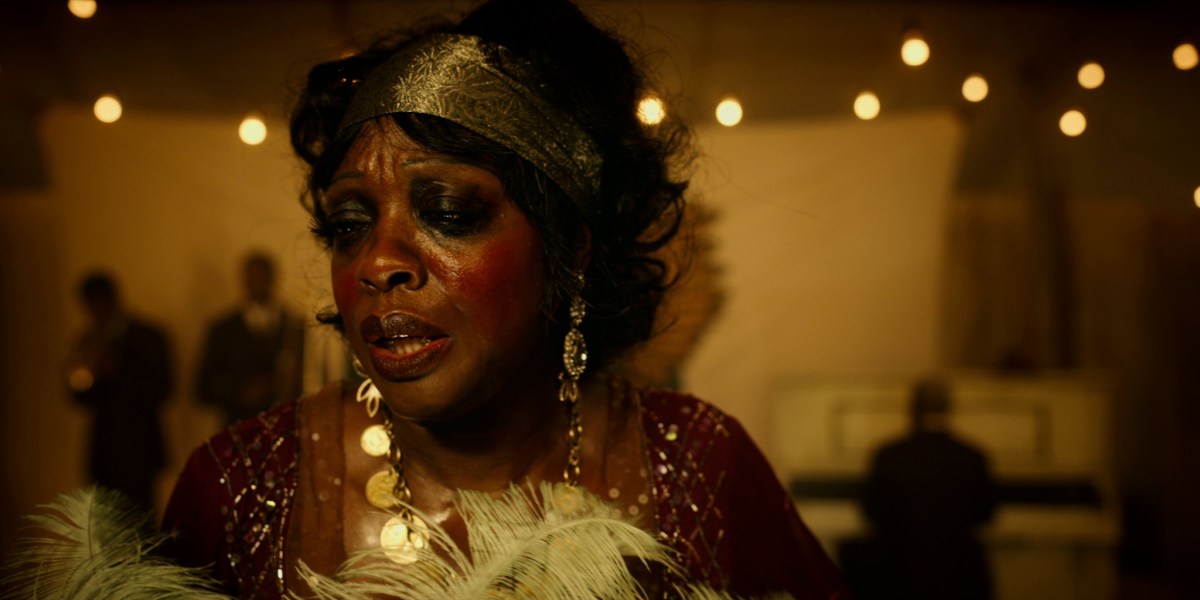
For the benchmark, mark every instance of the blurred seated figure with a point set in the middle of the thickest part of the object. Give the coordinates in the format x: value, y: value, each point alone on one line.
x: 120, y: 369
x: 925, y: 498
x: 252, y: 357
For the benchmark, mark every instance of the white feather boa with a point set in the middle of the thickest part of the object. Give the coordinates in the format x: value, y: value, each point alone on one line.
x: 93, y: 544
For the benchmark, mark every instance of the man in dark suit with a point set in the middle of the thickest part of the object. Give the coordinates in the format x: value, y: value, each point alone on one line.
x: 253, y: 354
x: 925, y: 497
x: 120, y: 370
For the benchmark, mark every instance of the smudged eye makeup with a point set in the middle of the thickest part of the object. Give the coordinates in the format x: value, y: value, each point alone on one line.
x: 450, y: 211
x: 343, y: 223
x: 446, y: 210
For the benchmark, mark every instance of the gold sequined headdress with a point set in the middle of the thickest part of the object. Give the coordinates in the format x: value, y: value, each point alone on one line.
x: 491, y: 91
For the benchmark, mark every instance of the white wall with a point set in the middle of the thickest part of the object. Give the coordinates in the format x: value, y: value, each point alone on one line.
x: 830, y: 235
x: 167, y: 202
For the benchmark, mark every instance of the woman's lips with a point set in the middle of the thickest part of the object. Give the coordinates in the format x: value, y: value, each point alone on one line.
x: 395, y: 366
x: 397, y: 325
x: 402, y: 346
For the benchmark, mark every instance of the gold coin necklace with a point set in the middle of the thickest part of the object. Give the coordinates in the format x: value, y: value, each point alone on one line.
x: 405, y: 534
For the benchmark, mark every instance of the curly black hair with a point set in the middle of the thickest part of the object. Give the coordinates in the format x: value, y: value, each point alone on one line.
x: 643, y: 178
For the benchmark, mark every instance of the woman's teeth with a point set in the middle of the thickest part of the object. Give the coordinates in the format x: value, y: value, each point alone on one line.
x: 406, y: 345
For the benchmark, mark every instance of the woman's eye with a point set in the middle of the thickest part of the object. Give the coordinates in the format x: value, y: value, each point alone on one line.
x: 344, y: 227
x: 455, y: 217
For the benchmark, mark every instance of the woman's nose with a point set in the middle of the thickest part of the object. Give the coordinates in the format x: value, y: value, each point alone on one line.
x: 392, y: 262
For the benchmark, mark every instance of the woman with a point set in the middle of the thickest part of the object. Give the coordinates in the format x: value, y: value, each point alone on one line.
x: 491, y: 206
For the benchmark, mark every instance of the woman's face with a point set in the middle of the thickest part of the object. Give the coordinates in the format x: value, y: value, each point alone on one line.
x: 436, y: 273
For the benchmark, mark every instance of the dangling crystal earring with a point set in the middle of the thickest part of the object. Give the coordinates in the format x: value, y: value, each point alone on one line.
x: 367, y: 392
x: 574, y: 364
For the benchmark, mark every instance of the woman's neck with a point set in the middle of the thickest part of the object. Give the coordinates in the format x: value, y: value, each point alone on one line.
x: 519, y: 434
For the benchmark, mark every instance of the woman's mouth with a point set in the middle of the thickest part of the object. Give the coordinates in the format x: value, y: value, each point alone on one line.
x: 402, y: 346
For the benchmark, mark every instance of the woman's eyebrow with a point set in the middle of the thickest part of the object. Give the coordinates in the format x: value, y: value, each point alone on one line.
x: 410, y: 162
x: 444, y: 160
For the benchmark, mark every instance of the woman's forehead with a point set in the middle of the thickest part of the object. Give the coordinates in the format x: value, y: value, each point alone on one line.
x: 382, y: 136
x: 380, y: 144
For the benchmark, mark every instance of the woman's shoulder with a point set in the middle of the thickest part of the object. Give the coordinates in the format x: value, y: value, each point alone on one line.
x: 682, y: 432
x: 264, y: 444
x: 671, y: 415
x: 670, y: 401
x: 277, y: 420
x: 722, y: 506
x: 280, y: 422
x: 239, y: 480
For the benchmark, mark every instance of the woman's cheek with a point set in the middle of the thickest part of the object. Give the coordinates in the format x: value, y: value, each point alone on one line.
x: 345, y: 289
x: 502, y: 282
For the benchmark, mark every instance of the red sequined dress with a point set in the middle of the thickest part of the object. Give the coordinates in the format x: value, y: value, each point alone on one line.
x: 263, y: 494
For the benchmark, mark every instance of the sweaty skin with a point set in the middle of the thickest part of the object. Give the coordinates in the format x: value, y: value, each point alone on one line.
x: 438, y: 277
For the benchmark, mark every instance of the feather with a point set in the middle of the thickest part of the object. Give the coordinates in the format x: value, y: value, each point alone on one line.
x: 94, y: 543
x: 705, y: 593
x: 548, y: 542
x: 570, y: 546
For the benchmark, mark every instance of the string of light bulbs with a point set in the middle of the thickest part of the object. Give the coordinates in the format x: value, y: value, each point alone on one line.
x: 915, y: 52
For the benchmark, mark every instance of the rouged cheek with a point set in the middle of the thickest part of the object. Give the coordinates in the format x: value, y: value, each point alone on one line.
x: 346, y: 289
x: 502, y: 284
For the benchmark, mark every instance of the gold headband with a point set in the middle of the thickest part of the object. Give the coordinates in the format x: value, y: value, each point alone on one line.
x: 491, y: 91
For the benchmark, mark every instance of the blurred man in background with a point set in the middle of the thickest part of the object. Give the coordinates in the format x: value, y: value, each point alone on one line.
x: 926, y: 496
x: 120, y: 369
x: 253, y: 354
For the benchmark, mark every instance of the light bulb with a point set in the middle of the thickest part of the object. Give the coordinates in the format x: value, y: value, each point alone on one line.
x: 107, y: 109
x: 252, y: 130
x: 651, y: 111
x: 866, y: 106
x: 975, y: 88
x: 1091, y: 75
x: 729, y: 112
x: 1185, y: 57
x: 914, y: 52
x: 1072, y: 123
x: 84, y: 9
